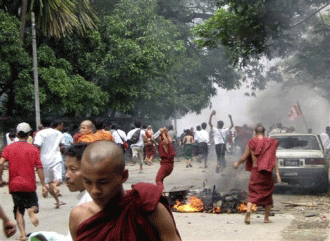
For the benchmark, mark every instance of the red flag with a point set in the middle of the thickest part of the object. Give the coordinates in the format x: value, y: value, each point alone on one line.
x: 294, y: 112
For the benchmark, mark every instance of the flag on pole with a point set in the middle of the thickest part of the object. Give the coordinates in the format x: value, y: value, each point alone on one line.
x: 294, y: 112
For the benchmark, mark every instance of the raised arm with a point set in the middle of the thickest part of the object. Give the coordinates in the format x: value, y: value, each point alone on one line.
x: 210, y: 120
x: 165, y: 139
x: 162, y: 220
x: 231, y: 122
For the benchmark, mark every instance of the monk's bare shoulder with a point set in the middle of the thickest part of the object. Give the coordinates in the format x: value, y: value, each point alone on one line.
x: 79, y: 214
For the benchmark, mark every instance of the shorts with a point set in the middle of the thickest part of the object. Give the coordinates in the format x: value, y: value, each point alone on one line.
x: 53, y: 173
x: 137, y: 152
x: 24, y: 200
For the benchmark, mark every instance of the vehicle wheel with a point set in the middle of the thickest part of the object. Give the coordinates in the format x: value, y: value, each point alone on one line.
x: 323, y: 185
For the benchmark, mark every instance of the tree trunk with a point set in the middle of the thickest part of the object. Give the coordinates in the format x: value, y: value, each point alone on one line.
x: 23, y: 19
x: 11, y: 101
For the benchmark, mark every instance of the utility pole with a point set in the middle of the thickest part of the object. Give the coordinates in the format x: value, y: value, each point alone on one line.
x: 35, y: 71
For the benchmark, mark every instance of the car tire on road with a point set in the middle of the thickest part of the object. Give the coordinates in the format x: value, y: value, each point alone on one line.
x: 323, y: 184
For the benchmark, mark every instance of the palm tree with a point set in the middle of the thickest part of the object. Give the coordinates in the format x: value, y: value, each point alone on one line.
x: 57, y: 18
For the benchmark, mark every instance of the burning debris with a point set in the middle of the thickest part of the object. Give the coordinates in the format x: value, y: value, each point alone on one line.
x: 208, y: 200
x: 194, y: 205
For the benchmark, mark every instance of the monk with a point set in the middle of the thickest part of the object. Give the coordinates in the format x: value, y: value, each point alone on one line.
x: 86, y: 132
x: 261, y: 159
x: 114, y: 214
x: 100, y: 133
x: 167, y: 154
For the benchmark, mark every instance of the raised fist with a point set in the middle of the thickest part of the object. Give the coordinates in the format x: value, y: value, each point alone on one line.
x: 213, y: 112
x: 229, y: 115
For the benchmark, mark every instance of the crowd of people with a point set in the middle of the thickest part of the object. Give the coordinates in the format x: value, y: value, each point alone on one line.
x: 56, y: 154
x: 92, y: 162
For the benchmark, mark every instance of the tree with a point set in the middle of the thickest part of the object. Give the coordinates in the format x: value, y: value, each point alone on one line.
x: 294, y: 32
x: 53, y: 17
x: 13, y: 59
x: 61, y: 90
x: 148, y: 65
x: 309, y: 64
x: 255, y: 28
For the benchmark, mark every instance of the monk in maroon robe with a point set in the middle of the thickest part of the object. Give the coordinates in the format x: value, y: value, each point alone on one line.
x: 139, y: 214
x: 260, y: 155
x: 167, y: 154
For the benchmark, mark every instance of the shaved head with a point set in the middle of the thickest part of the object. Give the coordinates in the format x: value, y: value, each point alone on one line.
x: 86, y: 127
x: 87, y: 123
x: 107, y: 153
x: 260, y: 130
x: 103, y: 171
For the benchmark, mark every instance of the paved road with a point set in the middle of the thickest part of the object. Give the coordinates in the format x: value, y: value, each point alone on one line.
x: 192, y: 226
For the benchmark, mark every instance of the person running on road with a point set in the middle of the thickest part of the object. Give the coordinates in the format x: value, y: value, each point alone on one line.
x: 188, y: 140
x: 23, y: 158
x: 50, y: 142
x: 167, y: 154
x: 261, y: 159
x: 220, y: 138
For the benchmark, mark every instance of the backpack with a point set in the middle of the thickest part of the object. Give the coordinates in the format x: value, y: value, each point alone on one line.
x: 135, y: 138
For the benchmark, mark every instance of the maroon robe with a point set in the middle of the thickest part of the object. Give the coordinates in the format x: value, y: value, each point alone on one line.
x: 261, y: 184
x: 149, y: 147
x: 128, y: 220
x: 167, y: 161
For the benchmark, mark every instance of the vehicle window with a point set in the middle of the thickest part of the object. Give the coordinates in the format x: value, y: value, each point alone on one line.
x: 297, y: 142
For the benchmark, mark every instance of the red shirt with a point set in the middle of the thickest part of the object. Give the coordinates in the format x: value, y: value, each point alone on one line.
x: 22, y: 158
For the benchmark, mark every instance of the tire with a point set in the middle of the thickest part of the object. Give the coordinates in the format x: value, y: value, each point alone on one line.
x: 323, y: 184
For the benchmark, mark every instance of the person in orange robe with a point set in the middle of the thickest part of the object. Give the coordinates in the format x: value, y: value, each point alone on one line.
x: 260, y: 157
x: 100, y: 133
x: 115, y: 214
x: 86, y: 132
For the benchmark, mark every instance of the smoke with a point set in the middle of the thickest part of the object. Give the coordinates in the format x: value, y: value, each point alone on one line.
x: 273, y: 105
x: 226, y: 102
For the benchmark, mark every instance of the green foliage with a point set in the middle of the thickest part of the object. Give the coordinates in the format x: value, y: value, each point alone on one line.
x: 254, y: 28
x: 135, y: 62
x: 140, y: 50
x: 309, y: 64
x: 58, y: 88
x: 61, y: 91
x: 55, y: 18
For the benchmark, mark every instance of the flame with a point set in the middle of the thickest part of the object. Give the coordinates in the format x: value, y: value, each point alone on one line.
x: 216, y: 209
x: 194, y: 205
x: 243, y: 208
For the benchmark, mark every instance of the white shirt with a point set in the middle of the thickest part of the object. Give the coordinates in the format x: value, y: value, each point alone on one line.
x: 49, y: 141
x: 197, y: 136
x: 9, y: 141
x: 117, y: 134
x: 140, y: 142
x: 220, y: 135
x: 277, y: 131
x: 83, y: 197
x: 204, y: 136
x: 325, y: 140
